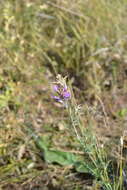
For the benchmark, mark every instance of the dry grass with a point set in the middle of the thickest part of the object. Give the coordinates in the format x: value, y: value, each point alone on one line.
x: 85, y: 40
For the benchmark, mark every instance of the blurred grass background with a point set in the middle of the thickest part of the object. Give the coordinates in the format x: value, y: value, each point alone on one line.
x: 85, y: 40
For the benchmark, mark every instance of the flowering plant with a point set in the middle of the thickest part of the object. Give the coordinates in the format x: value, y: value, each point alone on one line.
x: 61, y: 92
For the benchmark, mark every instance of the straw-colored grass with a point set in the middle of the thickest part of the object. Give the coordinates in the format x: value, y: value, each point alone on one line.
x: 85, y: 40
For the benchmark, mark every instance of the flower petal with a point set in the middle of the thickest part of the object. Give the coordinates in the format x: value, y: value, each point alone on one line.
x: 55, y: 88
x: 66, y: 95
x: 56, y: 97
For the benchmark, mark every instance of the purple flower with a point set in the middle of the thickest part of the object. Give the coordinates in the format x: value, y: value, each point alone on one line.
x: 61, y: 93
x: 66, y: 95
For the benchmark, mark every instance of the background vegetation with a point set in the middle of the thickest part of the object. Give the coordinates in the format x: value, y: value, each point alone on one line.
x: 84, y: 40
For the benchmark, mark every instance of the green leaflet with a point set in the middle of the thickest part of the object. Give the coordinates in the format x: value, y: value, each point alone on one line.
x: 61, y: 157
x: 122, y: 112
x: 81, y: 167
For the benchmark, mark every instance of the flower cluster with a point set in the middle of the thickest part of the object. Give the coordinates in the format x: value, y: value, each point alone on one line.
x: 60, y: 90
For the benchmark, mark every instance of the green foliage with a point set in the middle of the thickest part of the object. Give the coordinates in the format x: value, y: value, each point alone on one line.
x: 64, y: 158
x: 55, y: 156
x: 122, y: 112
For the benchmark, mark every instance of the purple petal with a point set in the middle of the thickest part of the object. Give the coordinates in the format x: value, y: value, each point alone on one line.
x: 65, y: 89
x: 55, y: 88
x: 56, y: 97
x: 66, y: 95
